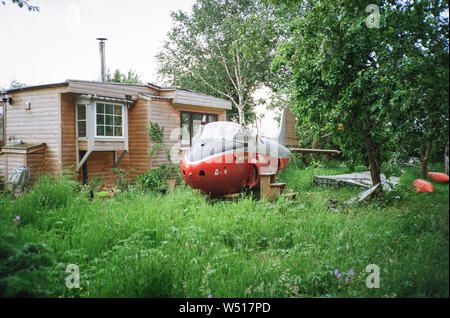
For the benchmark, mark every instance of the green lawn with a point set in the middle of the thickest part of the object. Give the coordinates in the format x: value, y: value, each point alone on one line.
x: 183, y: 245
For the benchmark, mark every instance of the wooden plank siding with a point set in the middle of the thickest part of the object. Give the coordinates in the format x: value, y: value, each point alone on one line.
x: 68, y: 132
x: 183, y: 97
x: 168, y: 116
x: 138, y: 140
x: 291, y: 136
x: 40, y: 124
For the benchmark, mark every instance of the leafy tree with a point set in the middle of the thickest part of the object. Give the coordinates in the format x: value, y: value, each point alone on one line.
x: 422, y: 76
x: 223, y: 48
x: 15, y: 84
x: 347, y: 73
x: 23, y: 3
x: 131, y: 77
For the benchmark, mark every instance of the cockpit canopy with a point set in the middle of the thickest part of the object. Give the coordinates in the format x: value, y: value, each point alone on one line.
x: 220, y: 130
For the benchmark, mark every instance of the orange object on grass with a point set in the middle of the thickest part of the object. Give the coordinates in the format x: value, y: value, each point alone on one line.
x: 421, y: 185
x: 438, y: 176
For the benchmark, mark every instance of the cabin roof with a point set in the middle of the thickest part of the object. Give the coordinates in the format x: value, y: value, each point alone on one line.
x: 68, y: 81
x: 175, y: 94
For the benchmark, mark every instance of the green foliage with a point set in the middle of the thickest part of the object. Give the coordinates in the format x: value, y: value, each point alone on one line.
x: 344, y: 73
x: 15, y: 84
x: 23, y: 3
x: 134, y: 245
x: 123, y: 181
x: 156, y: 178
x: 221, y: 48
x: 156, y: 135
x: 49, y: 192
x: 18, y: 265
x: 131, y: 77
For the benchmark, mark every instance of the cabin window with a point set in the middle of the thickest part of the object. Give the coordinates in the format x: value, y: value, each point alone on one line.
x: 2, y: 126
x: 190, y: 124
x: 81, y: 120
x: 109, y: 120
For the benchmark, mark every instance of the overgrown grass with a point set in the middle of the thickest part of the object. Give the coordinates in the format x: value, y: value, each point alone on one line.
x: 184, y: 245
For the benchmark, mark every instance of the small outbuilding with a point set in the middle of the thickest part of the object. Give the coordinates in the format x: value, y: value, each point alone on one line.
x: 94, y: 127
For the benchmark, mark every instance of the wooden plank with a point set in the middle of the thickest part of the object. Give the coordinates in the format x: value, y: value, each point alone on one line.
x: 108, y: 145
x: 40, y: 124
x: 264, y: 186
x: 320, y: 151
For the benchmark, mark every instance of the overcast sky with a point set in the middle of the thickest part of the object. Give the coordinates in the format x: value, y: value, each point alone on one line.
x: 59, y: 42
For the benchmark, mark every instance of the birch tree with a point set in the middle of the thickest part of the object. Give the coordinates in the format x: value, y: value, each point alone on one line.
x: 224, y: 48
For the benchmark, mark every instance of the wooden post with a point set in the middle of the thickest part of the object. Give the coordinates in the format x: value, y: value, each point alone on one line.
x: 446, y: 160
x: 264, y: 186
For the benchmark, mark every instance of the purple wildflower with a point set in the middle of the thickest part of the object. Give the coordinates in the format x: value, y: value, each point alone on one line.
x: 209, y: 296
x: 212, y: 244
x: 346, y: 279
x: 18, y: 218
x: 336, y: 272
x: 339, y: 275
x: 351, y: 272
x: 187, y: 245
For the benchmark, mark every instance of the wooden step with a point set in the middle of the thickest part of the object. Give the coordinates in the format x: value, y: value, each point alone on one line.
x: 280, y: 185
x: 290, y: 195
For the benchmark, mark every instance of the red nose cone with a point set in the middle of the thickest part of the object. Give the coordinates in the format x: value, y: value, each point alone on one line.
x: 217, y: 176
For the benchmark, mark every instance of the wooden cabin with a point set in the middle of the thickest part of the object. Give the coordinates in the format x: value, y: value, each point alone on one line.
x: 95, y: 126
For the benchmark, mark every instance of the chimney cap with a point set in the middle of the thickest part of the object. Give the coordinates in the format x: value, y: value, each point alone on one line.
x: 102, y: 39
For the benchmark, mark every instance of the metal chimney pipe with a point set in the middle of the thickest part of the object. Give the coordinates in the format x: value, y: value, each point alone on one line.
x: 102, y: 58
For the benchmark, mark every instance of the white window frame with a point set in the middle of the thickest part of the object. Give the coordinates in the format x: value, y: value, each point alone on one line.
x: 124, y: 115
x: 86, y: 106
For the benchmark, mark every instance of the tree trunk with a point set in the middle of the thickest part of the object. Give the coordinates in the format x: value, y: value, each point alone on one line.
x: 241, y: 116
x: 315, y: 145
x: 374, y: 156
x: 424, y: 160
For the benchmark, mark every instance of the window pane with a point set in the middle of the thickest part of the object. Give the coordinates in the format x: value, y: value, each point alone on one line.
x: 100, y: 108
x: 81, y: 128
x: 100, y: 119
x: 108, y: 130
x: 109, y: 109
x: 108, y: 119
x: 118, y: 121
x: 118, y: 110
x: 100, y: 130
x: 185, y: 130
x: 196, y: 122
x: 212, y: 118
x: 81, y: 111
x: 118, y: 131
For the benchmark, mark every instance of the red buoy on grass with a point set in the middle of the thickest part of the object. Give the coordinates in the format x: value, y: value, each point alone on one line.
x: 438, y: 177
x: 421, y: 185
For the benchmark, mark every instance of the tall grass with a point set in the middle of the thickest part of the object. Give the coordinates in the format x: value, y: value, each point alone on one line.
x: 144, y: 244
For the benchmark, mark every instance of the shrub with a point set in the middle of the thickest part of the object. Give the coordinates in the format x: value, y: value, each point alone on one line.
x: 22, y: 270
x: 49, y: 192
x: 123, y: 182
x: 157, y: 177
